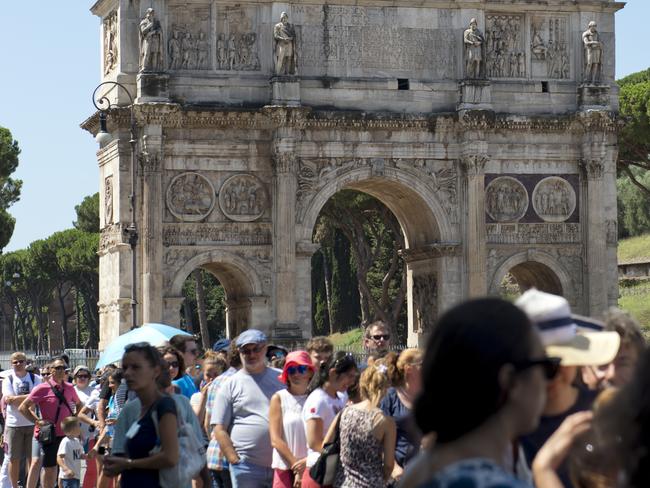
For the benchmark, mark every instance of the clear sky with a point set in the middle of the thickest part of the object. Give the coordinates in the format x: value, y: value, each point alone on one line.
x: 49, y: 54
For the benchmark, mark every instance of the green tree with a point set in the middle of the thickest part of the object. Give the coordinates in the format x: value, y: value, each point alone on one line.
x: 375, y: 238
x: 634, y: 138
x: 633, y: 204
x: 88, y: 214
x: 9, y: 187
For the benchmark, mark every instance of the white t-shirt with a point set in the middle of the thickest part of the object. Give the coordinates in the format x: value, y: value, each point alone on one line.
x: 84, y: 396
x: 13, y: 385
x: 319, y: 405
x: 72, y: 452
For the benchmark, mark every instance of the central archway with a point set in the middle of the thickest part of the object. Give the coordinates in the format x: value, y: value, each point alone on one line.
x: 425, y: 224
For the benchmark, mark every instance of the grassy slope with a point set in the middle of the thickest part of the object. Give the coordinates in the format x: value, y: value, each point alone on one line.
x: 634, y: 248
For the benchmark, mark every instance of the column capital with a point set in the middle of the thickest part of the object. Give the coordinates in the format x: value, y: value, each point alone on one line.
x: 284, y: 155
x: 592, y: 168
x: 473, y: 164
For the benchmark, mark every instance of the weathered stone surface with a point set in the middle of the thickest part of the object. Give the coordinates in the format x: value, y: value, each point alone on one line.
x: 509, y: 171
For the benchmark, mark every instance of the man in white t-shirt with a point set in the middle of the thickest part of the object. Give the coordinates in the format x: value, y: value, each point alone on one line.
x: 19, y: 430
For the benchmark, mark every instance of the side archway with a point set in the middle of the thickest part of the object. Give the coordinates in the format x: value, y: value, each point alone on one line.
x: 534, y: 269
x: 245, y: 304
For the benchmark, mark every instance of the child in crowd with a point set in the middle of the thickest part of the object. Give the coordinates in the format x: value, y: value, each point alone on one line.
x: 70, y: 454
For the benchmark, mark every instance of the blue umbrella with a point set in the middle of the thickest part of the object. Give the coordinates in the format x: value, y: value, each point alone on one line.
x: 154, y: 334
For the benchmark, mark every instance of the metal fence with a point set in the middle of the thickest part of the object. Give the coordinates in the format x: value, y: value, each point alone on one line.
x: 87, y: 357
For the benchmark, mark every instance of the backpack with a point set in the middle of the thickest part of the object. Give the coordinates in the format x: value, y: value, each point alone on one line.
x: 191, y: 454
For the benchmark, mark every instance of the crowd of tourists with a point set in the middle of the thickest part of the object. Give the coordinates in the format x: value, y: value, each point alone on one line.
x: 504, y: 395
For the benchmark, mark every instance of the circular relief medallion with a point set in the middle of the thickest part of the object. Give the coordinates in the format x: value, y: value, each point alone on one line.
x: 506, y: 199
x: 190, y: 197
x: 243, y: 198
x: 554, y: 200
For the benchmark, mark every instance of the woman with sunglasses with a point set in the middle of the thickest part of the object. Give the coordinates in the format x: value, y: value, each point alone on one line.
x: 142, y: 365
x: 56, y: 399
x: 484, y: 384
x: 285, y: 420
x: 326, y: 398
x: 176, y: 363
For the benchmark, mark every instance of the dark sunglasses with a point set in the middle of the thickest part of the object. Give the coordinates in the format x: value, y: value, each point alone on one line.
x: 83, y: 376
x: 18, y: 361
x: 301, y: 369
x: 173, y: 364
x: 379, y: 337
x: 550, y: 366
x: 251, y: 350
x: 58, y: 368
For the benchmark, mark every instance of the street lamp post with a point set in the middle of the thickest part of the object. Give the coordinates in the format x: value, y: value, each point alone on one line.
x: 103, y: 104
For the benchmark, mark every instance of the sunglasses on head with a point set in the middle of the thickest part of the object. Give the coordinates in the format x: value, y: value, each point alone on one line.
x: 300, y: 369
x: 251, y: 350
x: 380, y: 337
x: 550, y: 366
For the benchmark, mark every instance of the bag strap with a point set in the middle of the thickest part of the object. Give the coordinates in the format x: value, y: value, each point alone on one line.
x: 154, y: 417
x: 62, y: 400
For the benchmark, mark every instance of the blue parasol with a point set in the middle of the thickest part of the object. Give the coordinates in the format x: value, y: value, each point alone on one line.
x: 154, y: 334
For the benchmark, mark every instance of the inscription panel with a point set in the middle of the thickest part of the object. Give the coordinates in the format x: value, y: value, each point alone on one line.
x: 369, y: 41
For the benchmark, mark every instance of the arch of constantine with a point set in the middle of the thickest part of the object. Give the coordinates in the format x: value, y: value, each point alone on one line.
x: 489, y: 129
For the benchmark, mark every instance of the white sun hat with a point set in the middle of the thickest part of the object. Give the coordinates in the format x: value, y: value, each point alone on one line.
x: 577, y: 341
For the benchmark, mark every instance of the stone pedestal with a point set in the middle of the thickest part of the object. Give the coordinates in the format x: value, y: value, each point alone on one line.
x: 592, y: 96
x: 286, y: 91
x: 152, y: 87
x: 475, y: 95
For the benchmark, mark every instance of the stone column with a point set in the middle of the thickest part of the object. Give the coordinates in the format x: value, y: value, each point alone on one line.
x: 284, y: 239
x: 594, y: 232
x: 151, y: 227
x: 473, y: 165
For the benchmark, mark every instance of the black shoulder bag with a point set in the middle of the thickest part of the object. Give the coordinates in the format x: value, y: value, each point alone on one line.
x: 47, y: 432
x: 324, y: 471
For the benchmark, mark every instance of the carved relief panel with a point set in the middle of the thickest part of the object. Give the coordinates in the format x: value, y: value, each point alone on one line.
x: 110, y: 29
x: 342, y: 40
x: 549, y: 47
x: 554, y: 200
x: 506, y: 199
x: 188, y: 44
x: 532, y: 208
x: 237, y: 43
x: 108, y: 200
x: 505, y: 53
x: 190, y: 197
x: 243, y: 198
x: 425, y: 301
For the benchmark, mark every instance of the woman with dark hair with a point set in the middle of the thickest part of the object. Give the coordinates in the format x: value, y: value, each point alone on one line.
x: 326, y: 399
x: 483, y: 385
x: 175, y: 362
x: 142, y: 365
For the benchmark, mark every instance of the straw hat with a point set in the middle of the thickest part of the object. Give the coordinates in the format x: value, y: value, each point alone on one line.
x: 577, y: 341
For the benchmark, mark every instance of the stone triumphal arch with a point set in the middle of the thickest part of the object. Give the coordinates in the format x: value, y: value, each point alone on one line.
x: 488, y: 130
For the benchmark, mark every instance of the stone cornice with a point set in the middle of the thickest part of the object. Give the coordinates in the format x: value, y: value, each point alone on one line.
x: 269, y: 118
x: 431, y: 251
